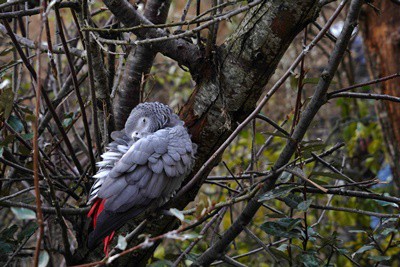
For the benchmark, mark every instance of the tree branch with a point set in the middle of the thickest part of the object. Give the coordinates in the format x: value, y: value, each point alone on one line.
x: 138, y: 65
x: 318, y: 99
x: 184, y: 52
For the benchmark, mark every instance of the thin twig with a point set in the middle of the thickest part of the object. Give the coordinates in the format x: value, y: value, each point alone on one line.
x: 363, y: 212
x: 386, y: 78
x: 35, y: 124
x: 45, y: 97
x: 76, y: 86
x: 46, y: 210
x: 366, y: 96
x: 44, y: 48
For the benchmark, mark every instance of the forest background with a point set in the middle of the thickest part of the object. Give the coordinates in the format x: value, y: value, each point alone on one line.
x: 294, y: 106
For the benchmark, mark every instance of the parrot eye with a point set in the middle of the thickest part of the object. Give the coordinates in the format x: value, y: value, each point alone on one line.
x: 144, y: 120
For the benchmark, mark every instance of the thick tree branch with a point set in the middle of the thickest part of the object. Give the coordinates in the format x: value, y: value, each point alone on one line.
x: 318, y: 99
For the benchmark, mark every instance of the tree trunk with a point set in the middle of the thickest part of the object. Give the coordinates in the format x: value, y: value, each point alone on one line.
x: 381, y: 34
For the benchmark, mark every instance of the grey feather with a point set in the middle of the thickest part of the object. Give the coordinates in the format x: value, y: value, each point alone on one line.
x: 146, y: 163
x: 167, y: 159
x: 157, y: 167
x: 112, y: 187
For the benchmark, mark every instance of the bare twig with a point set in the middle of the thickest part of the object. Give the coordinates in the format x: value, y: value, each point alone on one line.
x: 45, y: 96
x: 35, y: 124
x: 366, y: 96
x: 42, y: 46
x: 76, y: 86
x: 363, y: 212
x: 35, y: 11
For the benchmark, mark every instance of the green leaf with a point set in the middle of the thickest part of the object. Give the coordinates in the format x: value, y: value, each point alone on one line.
x: 178, y: 214
x: 388, y: 231
x: 342, y: 251
x: 294, y: 81
x: 286, y: 227
x: 362, y: 250
x: 308, y: 260
x: 277, y: 192
x: 5, y: 247
x: 303, y: 206
x: 358, y: 231
x: 284, y: 177
x: 6, y: 101
x: 297, y: 172
x: 192, y: 257
x: 7, y: 140
x: 385, y: 203
x: 15, y: 123
x: 43, y: 258
x: 9, y: 232
x: 23, y: 150
x: 23, y: 214
x: 292, y: 200
x: 162, y: 263
x: 380, y: 258
x: 27, y: 231
x: 312, y: 234
x: 279, y: 253
x: 67, y: 122
x: 27, y: 136
x: 122, y: 242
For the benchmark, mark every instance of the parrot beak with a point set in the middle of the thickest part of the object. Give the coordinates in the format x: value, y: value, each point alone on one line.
x: 136, y: 135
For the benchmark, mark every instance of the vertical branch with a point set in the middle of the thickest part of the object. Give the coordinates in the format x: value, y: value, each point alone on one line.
x: 198, y: 7
x: 39, y: 214
x: 300, y: 85
x: 76, y: 86
x: 212, y: 32
x: 96, y: 128
x: 184, y: 13
x: 139, y: 63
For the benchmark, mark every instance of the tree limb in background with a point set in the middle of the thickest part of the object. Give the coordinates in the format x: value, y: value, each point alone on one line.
x: 138, y: 65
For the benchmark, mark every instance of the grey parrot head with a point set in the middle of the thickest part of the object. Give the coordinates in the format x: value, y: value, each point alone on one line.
x: 150, y: 117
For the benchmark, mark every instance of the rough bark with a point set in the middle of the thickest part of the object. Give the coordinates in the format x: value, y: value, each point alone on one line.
x: 229, y: 85
x: 381, y: 34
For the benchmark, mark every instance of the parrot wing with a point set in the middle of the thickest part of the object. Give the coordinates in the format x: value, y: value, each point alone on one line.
x: 147, y: 174
x: 115, y: 150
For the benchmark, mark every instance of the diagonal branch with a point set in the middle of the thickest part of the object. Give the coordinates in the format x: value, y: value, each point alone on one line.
x: 184, y: 52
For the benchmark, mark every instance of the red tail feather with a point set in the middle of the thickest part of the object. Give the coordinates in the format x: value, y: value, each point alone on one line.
x: 94, y: 213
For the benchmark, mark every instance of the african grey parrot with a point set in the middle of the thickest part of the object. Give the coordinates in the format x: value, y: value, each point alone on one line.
x: 144, y: 165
